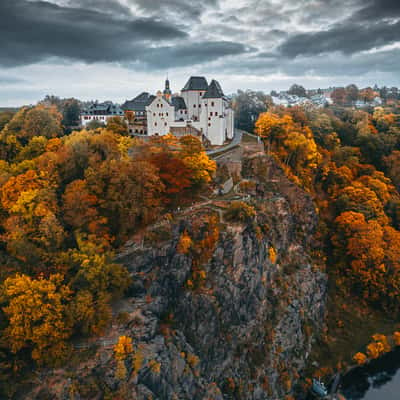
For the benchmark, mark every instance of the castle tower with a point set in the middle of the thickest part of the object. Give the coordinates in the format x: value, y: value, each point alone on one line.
x: 167, y: 91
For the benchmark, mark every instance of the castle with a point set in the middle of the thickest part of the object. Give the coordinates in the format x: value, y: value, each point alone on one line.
x: 201, y: 110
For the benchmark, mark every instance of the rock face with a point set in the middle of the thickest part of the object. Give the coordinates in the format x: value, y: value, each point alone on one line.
x: 232, y: 316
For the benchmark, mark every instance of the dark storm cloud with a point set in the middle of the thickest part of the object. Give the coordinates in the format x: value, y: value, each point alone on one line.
x: 32, y: 31
x: 193, y: 53
x: 373, y: 25
x: 332, y: 65
x: 104, y: 6
x: 345, y: 38
x: 378, y: 9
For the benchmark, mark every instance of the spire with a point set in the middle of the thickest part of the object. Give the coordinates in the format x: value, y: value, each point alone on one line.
x: 167, y: 91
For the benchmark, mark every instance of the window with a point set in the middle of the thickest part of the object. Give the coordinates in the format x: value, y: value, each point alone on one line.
x: 199, y: 105
x: 154, y: 114
x: 216, y: 114
x: 209, y: 124
x: 194, y: 105
x: 212, y: 104
x: 158, y: 106
x: 201, y: 93
x: 166, y: 114
x: 161, y: 105
x: 211, y: 114
x: 165, y: 124
x: 155, y: 123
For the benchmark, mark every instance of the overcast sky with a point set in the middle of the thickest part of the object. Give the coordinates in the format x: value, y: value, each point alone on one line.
x: 113, y: 49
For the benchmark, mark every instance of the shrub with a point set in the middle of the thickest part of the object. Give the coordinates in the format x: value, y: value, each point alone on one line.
x: 240, y: 211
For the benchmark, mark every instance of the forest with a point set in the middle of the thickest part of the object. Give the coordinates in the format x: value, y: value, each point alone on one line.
x: 348, y: 160
x: 67, y: 202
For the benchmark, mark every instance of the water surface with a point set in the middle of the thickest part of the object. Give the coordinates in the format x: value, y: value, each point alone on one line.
x: 379, y: 380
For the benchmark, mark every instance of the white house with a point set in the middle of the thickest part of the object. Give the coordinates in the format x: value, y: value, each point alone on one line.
x: 160, y: 116
x: 100, y: 112
x: 202, y: 109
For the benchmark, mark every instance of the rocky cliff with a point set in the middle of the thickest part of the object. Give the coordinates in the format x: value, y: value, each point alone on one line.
x: 217, y: 309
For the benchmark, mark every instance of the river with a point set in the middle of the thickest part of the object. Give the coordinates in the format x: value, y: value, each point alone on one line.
x: 379, y: 380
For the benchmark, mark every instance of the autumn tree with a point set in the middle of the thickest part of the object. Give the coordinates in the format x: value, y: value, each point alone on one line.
x: 37, y: 314
x: 352, y: 93
x: 80, y: 209
x: 36, y: 121
x: 367, y: 94
x: 32, y: 229
x: 297, y: 90
x: 98, y: 280
x: 339, y: 96
x: 129, y: 193
x: 117, y: 125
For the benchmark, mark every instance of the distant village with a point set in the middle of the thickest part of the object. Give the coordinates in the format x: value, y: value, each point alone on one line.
x: 201, y: 109
x: 349, y: 96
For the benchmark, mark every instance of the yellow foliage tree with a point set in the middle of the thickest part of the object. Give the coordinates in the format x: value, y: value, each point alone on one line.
x: 396, y: 338
x: 360, y: 358
x: 37, y: 313
x: 123, y: 348
x: 272, y: 255
x: 185, y: 243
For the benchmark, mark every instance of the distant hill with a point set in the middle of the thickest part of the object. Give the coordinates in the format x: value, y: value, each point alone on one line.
x: 8, y: 109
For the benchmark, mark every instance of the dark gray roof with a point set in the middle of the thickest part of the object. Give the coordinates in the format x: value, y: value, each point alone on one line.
x: 106, y: 108
x: 139, y: 103
x: 196, y: 83
x: 214, y: 91
x: 179, y: 103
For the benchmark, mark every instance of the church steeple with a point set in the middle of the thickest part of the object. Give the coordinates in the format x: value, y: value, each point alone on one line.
x: 167, y: 90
